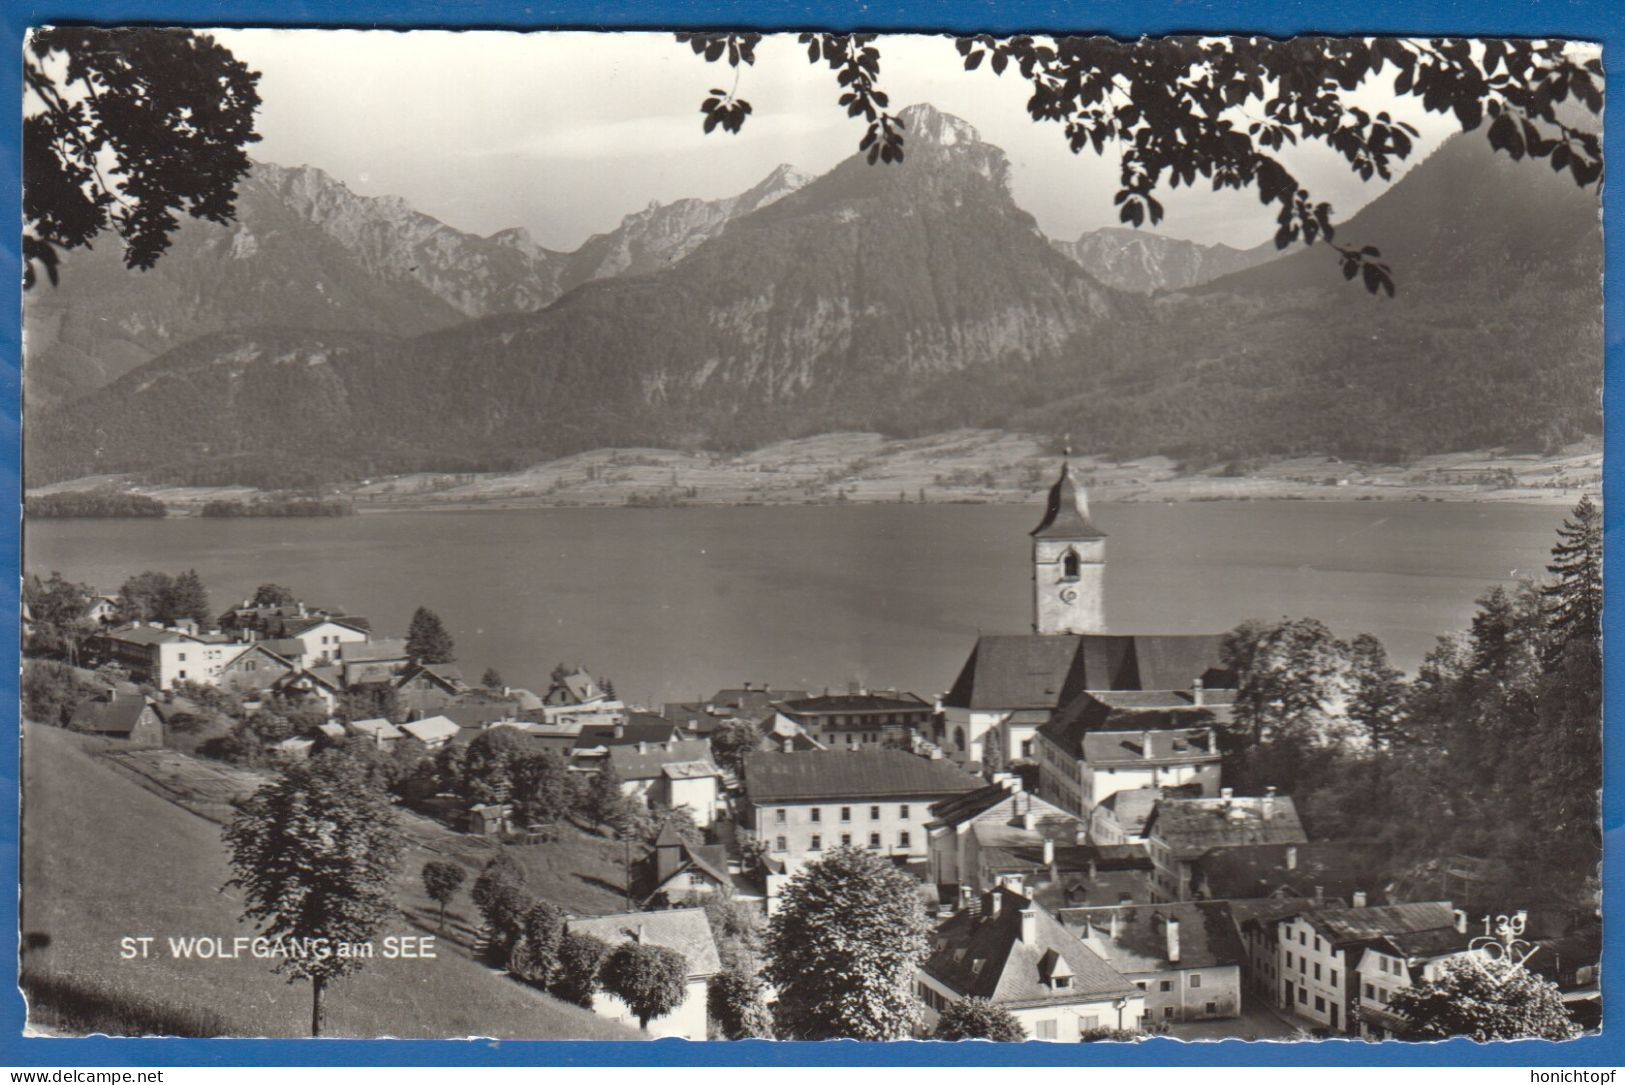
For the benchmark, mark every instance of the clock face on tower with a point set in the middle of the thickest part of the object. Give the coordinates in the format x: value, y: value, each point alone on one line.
x: 1069, y: 595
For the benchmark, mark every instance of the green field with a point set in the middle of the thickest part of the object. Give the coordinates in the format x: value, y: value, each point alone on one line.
x: 105, y: 859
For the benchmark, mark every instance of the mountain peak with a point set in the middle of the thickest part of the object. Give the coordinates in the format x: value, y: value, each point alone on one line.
x: 925, y: 123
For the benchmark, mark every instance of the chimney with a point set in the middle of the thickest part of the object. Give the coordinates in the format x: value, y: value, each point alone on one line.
x: 1359, y: 898
x: 1029, y: 820
x: 619, y: 730
x: 637, y: 935
x: 1092, y: 869
x: 1292, y: 857
x: 1049, y: 852
x: 643, y: 747
x: 1196, y: 692
x: 1029, y: 926
x: 1172, y: 930
x: 1320, y: 894
x: 1461, y: 921
x: 1267, y: 807
x: 1116, y: 927
x: 990, y: 903
x: 1226, y: 793
x: 789, y: 745
x: 1145, y: 744
x: 747, y: 687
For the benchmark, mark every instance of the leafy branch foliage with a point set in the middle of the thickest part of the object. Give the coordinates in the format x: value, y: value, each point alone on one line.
x: 124, y: 128
x: 1223, y: 109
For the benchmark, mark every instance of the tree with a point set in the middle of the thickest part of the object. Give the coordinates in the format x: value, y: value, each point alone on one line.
x: 489, y: 765
x: 315, y: 855
x: 1376, y: 691
x: 1486, y: 1000
x: 651, y: 980
x: 605, y: 801
x: 492, y: 679
x: 843, y: 947
x: 581, y: 957
x: 441, y: 880
x: 1289, y: 678
x: 1224, y: 108
x: 993, y: 752
x: 273, y: 595
x: 427, y: 640
x: 499, y: 894
x: 145, y: 597
x: 735, y: 999
x: 541, y: 786
x: 51, y: 690
x: 123, y: 128
x: 732, y: 740
x: 57, y: 612
x: 536, y: 957
x: 1575, y: 597
x: 979, y: 1019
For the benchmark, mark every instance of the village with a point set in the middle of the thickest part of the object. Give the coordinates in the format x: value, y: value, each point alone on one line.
x: 1061, y: 810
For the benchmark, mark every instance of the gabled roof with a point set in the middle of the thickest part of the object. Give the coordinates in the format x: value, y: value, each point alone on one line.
x: 1206, y: 929
x: 377, y: 729
x: 115, y: 716
x: 982, y: 955
x: 711, y: 860
x: 286, y: 647
x: 445, y: 675
x: 294, y: 627
x: 1050, y: 670
x: 148, y: 635
x: 971, y: 804
x: 389, y: 648
x: 1436, y: 942
x: 634, y: 731
x: 433, y: 729
x: 754, y: 699
x: 1066, y: 512
x: 1249, y: 911
x: 1336, y: 868
x: 854, y: 774
x: 686, y: 930
x: 1192, y: 745
x: 647, y: 762
x: 1356, y: 926
x: 260, y: 647
x: 843, y: 703
x: 1190, y: 827
x: 1132, y: 807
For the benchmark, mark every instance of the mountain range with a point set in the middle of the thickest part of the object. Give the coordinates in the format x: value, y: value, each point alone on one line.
x: 356, y: 336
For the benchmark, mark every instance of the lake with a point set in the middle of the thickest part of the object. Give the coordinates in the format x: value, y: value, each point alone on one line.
x: 674, y: 603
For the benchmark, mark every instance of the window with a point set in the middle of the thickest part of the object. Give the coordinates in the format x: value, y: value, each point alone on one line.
x: 1070, y: 565
x: 846, y: 840
x: 1320, y: 1004
x: 180, y: 674
x: 1303, y: 938
x: 874, y: 840
x: 1211, y: 1008
x: 903, y: 839
x: 902, y: 812
x: 1167, y: 1011
x: 1196, y: 979
x: 1046, y: 1030
x: 1289, y: 958
x: 1166, y: 985
x: 1382, y: 964
x: 1317, y: 943
x: 181, y: 656
x: 1317, y: 970
x: 779, y: 843
x: 817, y: 814
x: 817, y: 843
x: 1061, y: 983
x: 1370, y: 993
x: 1332, y: 977
x: 1303, y: 994
x: 874, y: 813
x: 846, y: 813
x: 1303, y: 965
x: 1140, y: 984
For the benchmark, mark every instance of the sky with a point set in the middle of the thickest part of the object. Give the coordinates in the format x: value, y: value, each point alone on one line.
x: 564, y: 133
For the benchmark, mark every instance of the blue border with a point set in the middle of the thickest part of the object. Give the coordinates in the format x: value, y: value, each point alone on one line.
x: 1596, y: 20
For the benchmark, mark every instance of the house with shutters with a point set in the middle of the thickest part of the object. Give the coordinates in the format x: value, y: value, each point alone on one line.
x: 1186, y: 958
x: 1010, y: 951
x: 1180, y: 831
x: 801, y: 805
x: 1012, y: 684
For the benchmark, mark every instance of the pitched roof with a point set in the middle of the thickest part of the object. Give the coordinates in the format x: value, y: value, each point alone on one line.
x: 709, y: 859
x: 293, y: 627
x: 754, y: 699
x: 647, y: 762
x: 633, y: 731
x: 445, y: 675
x: 1353, y: 926
x: 388, y: 648
x: 982, y: 955
x: 686, y: 930
x: 1265, y: 910
x: 1049, y: 670
x: 1192, y: 826
x: 117, y: 715
x: 855, y: 774
x: 962, y: 808
x: 1066, y: 512
x: 260, y: 647
x: 374, y: 729
x: 148, y: 635
x: 856, y: 702
x: 1436, y: 942
x: 1207, y: 935
x: 433, y: 729
x: 1132, y: 807
x: 1336, y: 868
x: 1186, y: 745
x: 287, y: 647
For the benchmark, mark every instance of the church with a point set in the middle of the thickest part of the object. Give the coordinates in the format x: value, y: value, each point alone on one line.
x: 1071, y: 674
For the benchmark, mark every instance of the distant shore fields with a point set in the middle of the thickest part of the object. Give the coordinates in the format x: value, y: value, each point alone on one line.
x: 966, y: 466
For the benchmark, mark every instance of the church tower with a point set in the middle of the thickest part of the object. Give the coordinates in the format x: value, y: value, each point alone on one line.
x: 1069, y: 562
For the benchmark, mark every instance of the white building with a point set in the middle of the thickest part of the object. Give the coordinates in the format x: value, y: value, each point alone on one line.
x: 684, y: 930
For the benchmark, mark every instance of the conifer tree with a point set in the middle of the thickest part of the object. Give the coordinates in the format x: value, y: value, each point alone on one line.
x: 427, y: 640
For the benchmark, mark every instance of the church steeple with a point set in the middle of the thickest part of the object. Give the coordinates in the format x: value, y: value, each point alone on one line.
x: 1069, y: 561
